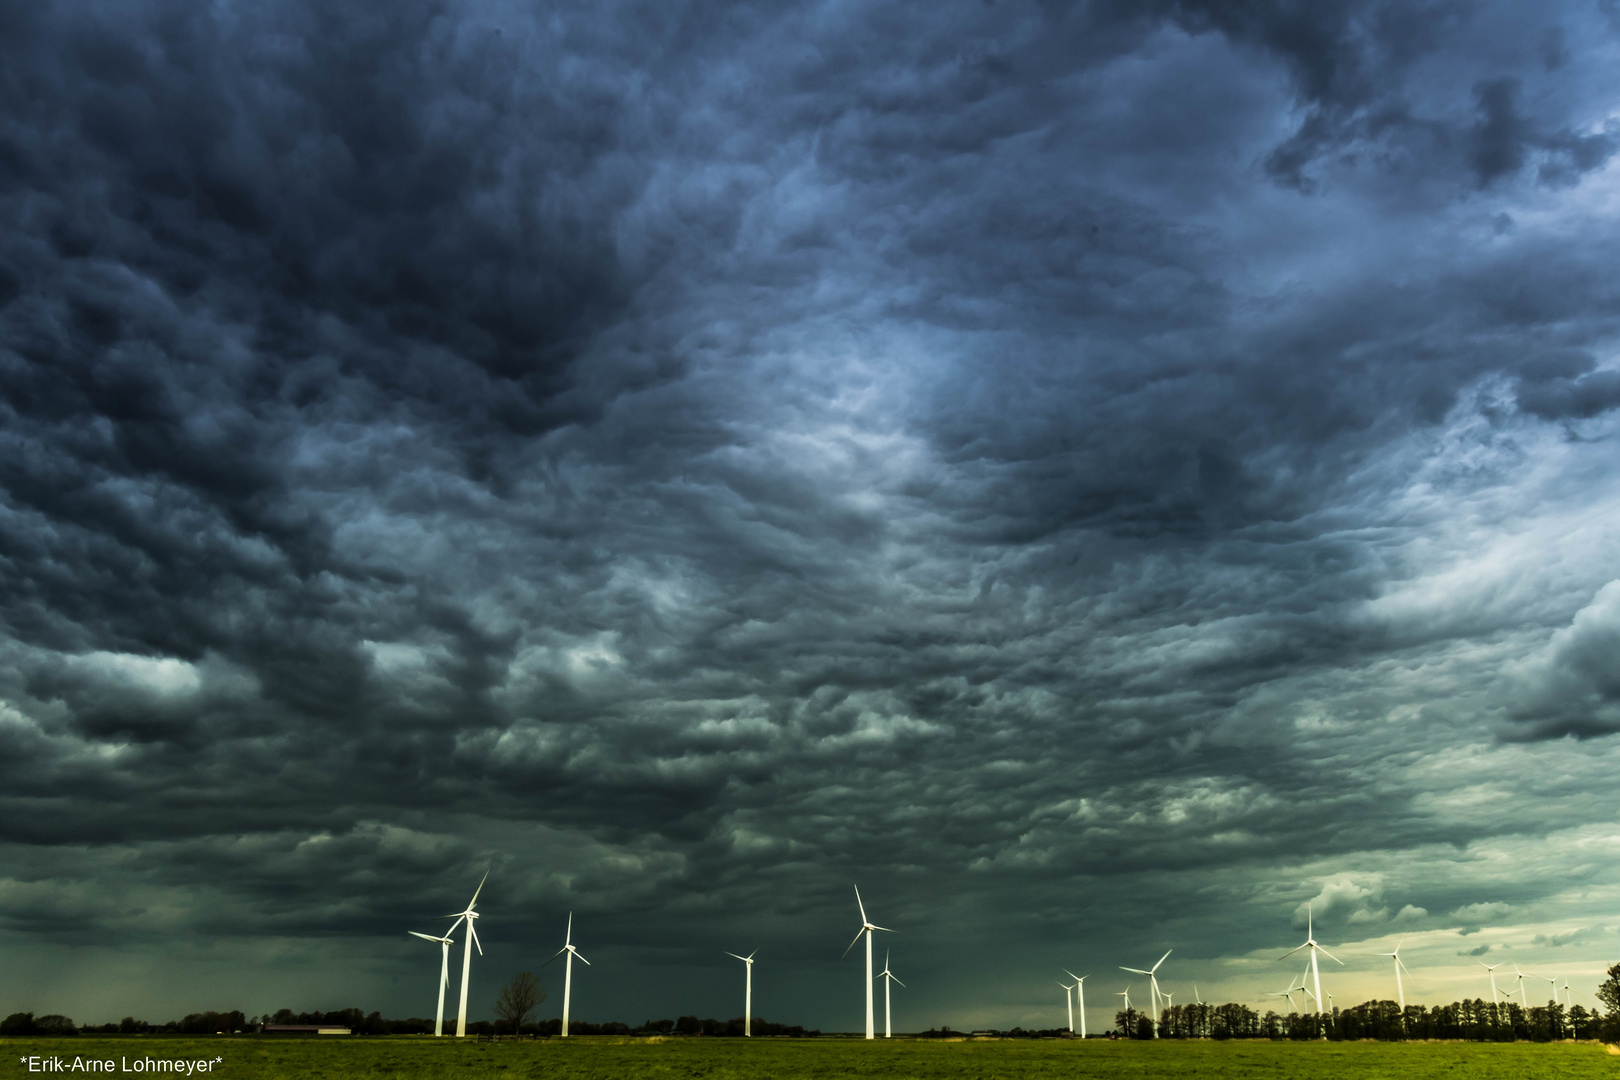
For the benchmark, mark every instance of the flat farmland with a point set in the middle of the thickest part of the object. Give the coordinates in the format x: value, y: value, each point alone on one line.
x: 589, y: 1058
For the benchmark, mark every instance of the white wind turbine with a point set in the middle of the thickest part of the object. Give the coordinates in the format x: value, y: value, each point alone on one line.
x: 1569, y: 1002
x: 1492, y: 969
x: 568, y: 969
x: 748, y: 997
x: 1524, y: 996
x: 1068, y: 999
x: 1080, y: 992
x: 1310, y: 943
x: 867, y: 926
x: 1288, y: 993
x: 467, y: 916
x: 1399, y: 989
x: 1126, y: 994
x: 888, y: 977
x: 444, y: 976
x: 1196, y: 999
x: 1153, y: 987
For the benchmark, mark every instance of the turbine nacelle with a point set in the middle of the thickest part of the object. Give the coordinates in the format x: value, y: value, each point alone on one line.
x: 867, y: 925
x: 568, y: 945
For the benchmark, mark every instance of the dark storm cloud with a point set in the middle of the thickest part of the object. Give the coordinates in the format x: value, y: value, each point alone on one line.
x: 692, y: 457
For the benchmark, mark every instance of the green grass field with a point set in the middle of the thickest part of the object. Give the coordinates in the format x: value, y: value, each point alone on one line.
x: 590, y: 1058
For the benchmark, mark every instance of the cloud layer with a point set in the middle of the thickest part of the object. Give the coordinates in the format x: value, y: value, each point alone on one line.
x: 1116, y: 476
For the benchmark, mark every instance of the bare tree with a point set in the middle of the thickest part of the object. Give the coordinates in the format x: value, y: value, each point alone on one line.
x: 518, y: 999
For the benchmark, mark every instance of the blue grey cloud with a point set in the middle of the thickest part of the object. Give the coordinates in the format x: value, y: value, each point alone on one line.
x: 1127, y: 466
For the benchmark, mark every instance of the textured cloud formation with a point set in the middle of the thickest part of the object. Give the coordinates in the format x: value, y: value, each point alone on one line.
x: 1131, y: 474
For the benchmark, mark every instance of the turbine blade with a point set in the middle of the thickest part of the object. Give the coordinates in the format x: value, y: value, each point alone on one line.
x: 744, y: 959
x: 568, y: 939
x: 478, y: 890
x: 556, y: 954
x: 1329, y: 955
x: 896, y: 979
x: 885, y: 929
x: 582, y: 960
x: 864, y: 919
x: 474, y: 932
x: 750, y: 956
x: 1291, y: 952
x: 1162, y: 959
x: 851, y: 945
x: 424, y: 937
x: 1137, y: 971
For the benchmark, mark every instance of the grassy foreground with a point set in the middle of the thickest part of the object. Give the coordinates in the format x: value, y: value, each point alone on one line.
x: 589, y: 1058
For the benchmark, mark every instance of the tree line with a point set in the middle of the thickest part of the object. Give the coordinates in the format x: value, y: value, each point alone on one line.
x: 1477, y: 1020
x: 362, y: 1023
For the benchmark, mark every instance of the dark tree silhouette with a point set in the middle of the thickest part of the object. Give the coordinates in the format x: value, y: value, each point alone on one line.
x: 1608, y: 992
x: 518, y: 999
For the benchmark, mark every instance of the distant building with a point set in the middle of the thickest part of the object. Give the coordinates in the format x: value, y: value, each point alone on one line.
x: 302, y: 1029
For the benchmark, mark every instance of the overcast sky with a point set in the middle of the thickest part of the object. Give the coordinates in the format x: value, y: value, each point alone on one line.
x: 1102, y: 477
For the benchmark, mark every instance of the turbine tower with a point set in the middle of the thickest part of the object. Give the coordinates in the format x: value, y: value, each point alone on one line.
x: 888, y: 977
x: 1068, y: 999
x: 444, y: 976
x: 1310, y: 943
x: 568, y: 969
x: 867, y: 926
x: 1492, y: 969
x: 1153, y: 987
x: 1400, y: 990
x: 748, y: 997
x: 467, y: 917
x: 1080, y: 992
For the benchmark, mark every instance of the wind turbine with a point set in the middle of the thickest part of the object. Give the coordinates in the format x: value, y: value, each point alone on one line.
x: 1492, y: 969
x: 1524, y: 996
x: 1288, y: 993
x: 1399, y: 989
x: 467, y: 917
x: 568, y: 969
x: 1068, y: 999
x: 748, y: 997
x: 444, y: 976
x: 1153, y: 987
x: 1196, y: 999
x: 1080, y: 992
x: 1569, y: 1002
x: 888, y: 977
x: 867, y: 926
x: 1310, y: 943
x: 1126, y: 994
